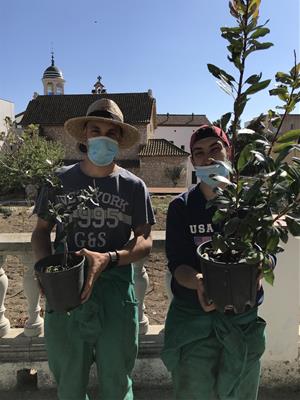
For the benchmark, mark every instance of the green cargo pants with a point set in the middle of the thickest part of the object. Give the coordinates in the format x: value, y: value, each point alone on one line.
x: 212, y: 355
x: 104, y: 330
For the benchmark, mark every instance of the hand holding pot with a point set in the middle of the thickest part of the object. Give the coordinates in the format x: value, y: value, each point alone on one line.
x: 97, y: 264
x: 205, y: 304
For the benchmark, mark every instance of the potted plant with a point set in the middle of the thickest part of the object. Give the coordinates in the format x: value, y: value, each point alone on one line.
x: 62, y: 275
x: 264, y: 186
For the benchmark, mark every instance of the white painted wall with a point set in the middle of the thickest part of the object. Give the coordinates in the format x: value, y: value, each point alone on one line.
x: 7, y: 109
x: 180, y: 136
x: 281, y: 307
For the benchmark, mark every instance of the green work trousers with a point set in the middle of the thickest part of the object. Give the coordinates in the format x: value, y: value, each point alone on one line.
x: 213, y: 355
x: 104, y: 330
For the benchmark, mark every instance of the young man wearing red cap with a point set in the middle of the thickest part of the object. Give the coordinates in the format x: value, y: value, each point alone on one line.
x: 104, y: 328
x: 208, y: 353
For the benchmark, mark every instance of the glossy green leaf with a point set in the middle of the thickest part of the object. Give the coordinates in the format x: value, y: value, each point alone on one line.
x: 259, y: 156
x: 283, y: 77
x: 224, y: 120
x: 263, y: 46
x: 281, y: 92
x: 273, y: 240
x: 295, y: 71
x: 287, y: 147
x: 252, y: 192
x: 254, y: 8
x: 257, y: 87
x: 293, y: 225
x: 231, y: 226
x: 245, y: 157
x: 260, y: 32
x: 289, y: 136
x: 218, y: 216
x: 269, y: 276
x: 253, y: 79
x: 217, y: 72
x: 220, y: 178
x: 240, y: 104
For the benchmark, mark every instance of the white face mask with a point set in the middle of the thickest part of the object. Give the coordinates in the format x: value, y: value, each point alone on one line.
x: 205, y: 173
x: 102, y: 150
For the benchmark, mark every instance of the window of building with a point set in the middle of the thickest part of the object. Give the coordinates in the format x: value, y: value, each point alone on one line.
x: 292, y: 126
x: 171, y: 141
x: 182, y: 147
x: 59, y: 90
x: 49, y: 88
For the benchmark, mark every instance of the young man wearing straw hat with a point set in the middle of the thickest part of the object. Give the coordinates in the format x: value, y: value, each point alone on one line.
x: 104, y: 327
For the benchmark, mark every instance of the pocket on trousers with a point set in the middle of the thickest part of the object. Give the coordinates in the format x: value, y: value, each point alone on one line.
x: 255, y: 336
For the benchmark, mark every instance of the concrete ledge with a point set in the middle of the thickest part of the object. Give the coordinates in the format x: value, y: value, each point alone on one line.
x: 19, y: 352
x: 16, y: 347
x: 20, y: 242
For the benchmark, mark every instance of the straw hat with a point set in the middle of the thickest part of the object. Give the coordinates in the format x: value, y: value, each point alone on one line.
x: 105, y: 110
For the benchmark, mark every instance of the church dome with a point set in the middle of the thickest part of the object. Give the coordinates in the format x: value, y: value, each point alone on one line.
x: 52, y: 71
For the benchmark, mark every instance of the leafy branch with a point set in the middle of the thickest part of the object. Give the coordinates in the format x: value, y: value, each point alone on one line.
x: 266, y: 183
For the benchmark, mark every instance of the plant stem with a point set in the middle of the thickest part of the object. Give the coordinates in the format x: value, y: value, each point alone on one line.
x: 240, y: 84
x: 281, y: 122
x: 239, y: 91
x: 285, y: 210
x: 65, y: 257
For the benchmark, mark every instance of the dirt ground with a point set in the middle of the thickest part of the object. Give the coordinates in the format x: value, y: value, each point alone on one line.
x: 20, y: 220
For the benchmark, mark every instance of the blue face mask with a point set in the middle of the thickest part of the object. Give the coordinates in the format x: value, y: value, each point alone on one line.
x: 102, y: 150
x: 203, y: 173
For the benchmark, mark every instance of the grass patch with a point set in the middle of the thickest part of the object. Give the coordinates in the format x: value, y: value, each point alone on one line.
x: 161, y: 203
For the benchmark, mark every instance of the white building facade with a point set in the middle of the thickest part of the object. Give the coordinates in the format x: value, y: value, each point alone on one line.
x: 178, y: 129
x: 7, y: 109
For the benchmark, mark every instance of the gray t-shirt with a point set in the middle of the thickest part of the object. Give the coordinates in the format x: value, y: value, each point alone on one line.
x: 123, y: 203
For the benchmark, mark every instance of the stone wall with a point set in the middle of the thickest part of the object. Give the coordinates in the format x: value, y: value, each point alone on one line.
x: 70, y: 145
x: 153, y: 170
x: 132, y: 153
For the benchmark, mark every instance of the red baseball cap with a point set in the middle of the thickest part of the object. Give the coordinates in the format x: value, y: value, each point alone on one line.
x: 209, y: 131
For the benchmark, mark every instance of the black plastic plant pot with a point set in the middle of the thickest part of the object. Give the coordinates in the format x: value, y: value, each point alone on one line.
x: 62, y: 288
x: 229, y: 286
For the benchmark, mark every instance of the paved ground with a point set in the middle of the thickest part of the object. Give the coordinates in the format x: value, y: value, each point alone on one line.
x: 150, y: 394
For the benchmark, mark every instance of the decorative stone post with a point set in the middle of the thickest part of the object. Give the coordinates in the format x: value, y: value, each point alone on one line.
x: 141, y: 285
x: 4, y: 322
x: 34, y: 326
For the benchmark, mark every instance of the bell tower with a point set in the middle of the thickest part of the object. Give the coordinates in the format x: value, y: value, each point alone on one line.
x: 53, y: 80
x: 98, y: 86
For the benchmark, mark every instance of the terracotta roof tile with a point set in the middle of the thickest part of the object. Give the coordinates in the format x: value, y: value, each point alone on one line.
x: 161, y: 147
x: 181, y: 120
x: 56, y: 109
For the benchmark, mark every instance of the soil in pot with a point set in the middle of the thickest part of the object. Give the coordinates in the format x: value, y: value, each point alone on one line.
x: 231, y: 286
x: 62, y: 288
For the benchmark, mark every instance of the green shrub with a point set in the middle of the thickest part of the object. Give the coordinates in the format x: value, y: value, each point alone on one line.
x: 27, y: 159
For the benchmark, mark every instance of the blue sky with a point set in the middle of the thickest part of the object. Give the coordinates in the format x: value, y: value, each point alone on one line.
x: 136, y: 45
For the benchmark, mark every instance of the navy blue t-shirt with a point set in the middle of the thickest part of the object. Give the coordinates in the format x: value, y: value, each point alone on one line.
x: 122, y: 204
